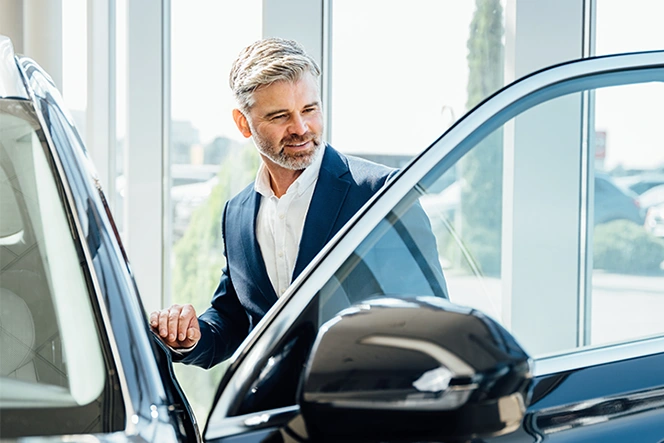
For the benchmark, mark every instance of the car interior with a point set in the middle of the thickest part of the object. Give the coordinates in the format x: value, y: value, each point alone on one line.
x: 29, y: 336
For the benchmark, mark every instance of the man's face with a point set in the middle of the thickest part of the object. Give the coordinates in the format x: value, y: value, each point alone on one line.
x: 286, y: 122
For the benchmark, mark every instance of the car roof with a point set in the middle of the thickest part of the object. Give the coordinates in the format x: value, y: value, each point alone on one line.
x: 653, y: 196
x: 641, y: 177
x: 11, y: 82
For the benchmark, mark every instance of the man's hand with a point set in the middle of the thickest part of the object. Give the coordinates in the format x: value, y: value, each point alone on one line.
x: 177, y: 326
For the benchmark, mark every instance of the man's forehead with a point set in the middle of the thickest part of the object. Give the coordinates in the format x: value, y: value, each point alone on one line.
x: 285, y: 94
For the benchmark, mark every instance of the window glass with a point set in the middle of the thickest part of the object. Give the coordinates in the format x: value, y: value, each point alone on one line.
x: 399, y: 258
x: 52, y: 363
x: 120, y: 138
x: 622, y: 28
x: 627, y: 277
x: 403, y: 71
x: 491, y: 266
x: 628, y: 241
x: 75, y: 60
x: 210, y: 161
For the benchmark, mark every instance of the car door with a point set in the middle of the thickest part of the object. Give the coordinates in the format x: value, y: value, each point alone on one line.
x: 515, y: 236
x: 76, y: 357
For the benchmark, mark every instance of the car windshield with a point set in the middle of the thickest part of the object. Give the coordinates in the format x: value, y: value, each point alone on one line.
x: 49, y: 345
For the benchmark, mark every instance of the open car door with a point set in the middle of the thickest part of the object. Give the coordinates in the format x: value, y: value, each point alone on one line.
x: 571, y: 342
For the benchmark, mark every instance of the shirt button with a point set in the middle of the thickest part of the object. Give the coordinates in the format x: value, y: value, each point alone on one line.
x: 281, y: 216
x: 280, y: 254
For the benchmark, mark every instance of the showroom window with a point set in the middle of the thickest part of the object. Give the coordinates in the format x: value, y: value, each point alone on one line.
x: 210, y: 161
x: 628, y: 241
x: 639, y: 25
x: 629, y: 151
x: 399, y: 84
x: 402, y: 72
x: 120, y: 139
x: 75, y: 60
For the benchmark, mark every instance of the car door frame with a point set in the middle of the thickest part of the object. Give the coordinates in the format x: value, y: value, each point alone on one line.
x: 536, y: 88
x: 151, y: 398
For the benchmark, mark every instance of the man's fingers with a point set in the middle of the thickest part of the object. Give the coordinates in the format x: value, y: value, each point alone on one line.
x: 193, y: 330
x: 173, y: 322
x: 154, y: 319
x: 194, y: 334
x: 162, y: 323
x: 177, y: 325
x: 187, y: 315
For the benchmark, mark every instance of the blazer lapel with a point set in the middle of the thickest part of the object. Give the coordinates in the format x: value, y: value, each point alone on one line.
x: 326, y: 203
x: 254, y: 257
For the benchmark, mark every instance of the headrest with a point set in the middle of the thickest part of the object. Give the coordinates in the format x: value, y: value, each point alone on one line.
x: 17, y: 332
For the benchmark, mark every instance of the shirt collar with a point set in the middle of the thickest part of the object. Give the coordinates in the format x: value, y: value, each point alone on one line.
x: 306, y: 179
x: 262, y: 183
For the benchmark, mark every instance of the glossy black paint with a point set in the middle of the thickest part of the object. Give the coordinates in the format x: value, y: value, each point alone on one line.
x: 621, y: 401
x: 412, y: 370
x: 612, y: 403
x: 156, y: 408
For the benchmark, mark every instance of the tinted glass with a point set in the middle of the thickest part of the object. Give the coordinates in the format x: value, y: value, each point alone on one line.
x: 627, y: 285
x: 522, y: 233
x: 53, y: 378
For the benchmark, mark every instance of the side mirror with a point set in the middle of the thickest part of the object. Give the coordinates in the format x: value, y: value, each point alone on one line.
x: 418, y: 369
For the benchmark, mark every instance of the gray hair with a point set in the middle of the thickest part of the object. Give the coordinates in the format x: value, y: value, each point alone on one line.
x: 265, y: 62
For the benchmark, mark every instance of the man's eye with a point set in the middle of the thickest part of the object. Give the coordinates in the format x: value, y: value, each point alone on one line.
x: 279, y: 117
x: 309, y: 109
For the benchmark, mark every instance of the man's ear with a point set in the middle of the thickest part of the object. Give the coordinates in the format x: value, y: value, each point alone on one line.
x: 242, y: 123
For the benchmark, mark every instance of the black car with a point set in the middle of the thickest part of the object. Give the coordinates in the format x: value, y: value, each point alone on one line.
x: 614, y: 203
x: 330, y: 361
x: 640, y: 183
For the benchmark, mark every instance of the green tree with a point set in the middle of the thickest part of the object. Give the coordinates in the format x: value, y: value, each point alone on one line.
x: 481, y: 169
x: 198, y: 260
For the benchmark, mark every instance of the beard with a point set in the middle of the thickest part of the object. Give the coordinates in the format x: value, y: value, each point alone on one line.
x: 295, y: 161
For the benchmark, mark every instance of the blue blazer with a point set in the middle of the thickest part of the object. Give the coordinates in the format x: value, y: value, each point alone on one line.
x: 245, y: 293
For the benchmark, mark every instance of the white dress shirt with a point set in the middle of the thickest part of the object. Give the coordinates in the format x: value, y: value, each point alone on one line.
x: 279, y: 225
x: 280, y: 222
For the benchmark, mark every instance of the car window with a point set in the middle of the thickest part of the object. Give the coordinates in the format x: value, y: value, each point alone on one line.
x: 510, y: 272
x: 399, y: 258
x: 626, y: 289
x: 53, y: 377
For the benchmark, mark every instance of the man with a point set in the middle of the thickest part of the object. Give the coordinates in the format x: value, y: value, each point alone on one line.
x: 304, y: 192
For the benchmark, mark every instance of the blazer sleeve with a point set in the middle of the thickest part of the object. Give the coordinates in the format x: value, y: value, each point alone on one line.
x: 223, y: 325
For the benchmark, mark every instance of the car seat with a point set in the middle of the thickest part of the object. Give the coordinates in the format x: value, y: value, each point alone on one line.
x: 17, y: 337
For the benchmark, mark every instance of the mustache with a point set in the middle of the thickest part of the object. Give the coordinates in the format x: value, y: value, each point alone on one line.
x: 295, y: 139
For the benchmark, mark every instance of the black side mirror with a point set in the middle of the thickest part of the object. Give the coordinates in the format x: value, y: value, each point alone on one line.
x: 417, y: 369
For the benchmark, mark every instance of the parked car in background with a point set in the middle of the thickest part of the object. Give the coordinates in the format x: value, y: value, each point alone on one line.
x: 614, y: 203
x: 640, y: 183
x: 610, y: 203
x: 653, y: 202
x: 337, y: 358
x: 652, y: 197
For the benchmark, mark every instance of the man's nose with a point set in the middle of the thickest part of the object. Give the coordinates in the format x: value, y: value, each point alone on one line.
x: 299, y: 125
